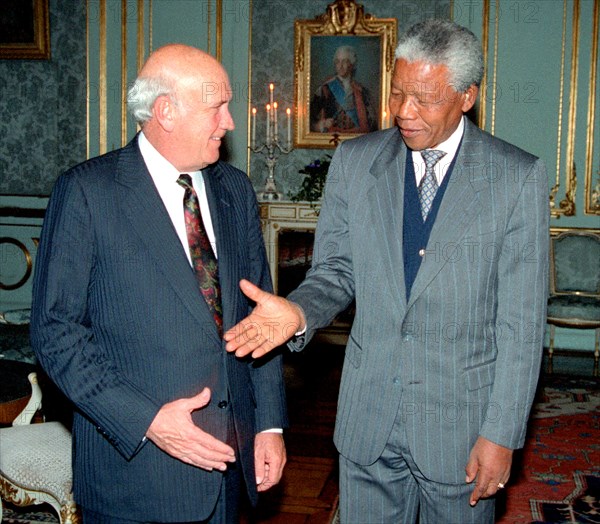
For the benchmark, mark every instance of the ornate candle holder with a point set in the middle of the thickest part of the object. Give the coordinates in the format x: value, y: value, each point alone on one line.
x: 272, y: 148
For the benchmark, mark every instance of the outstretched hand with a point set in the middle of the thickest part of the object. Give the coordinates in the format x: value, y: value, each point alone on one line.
x: 174, y: 431
x: 273, y: 321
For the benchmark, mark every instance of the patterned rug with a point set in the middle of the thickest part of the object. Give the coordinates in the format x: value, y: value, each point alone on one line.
x: 556, y: 477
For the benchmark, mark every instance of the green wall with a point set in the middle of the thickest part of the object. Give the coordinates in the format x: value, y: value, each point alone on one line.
x: 541, y: 94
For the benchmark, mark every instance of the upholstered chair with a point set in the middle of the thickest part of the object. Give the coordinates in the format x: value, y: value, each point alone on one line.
x: 575, y: 286
x: 35, y: 462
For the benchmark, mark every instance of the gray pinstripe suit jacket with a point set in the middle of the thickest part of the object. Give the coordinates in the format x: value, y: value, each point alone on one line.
x: 120, y: 325
x: 462, y: 357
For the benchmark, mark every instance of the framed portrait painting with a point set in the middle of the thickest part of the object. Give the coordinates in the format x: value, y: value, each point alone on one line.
x: 343, y: 66
x: 24, y: 30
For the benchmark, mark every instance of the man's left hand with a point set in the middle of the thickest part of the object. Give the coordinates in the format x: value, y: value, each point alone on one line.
x: 269, y: 458
x: 489, y: 464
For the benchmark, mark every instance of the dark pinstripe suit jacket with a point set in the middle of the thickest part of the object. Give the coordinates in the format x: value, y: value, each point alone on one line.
x: 461, y: 358
x: 120, y: 325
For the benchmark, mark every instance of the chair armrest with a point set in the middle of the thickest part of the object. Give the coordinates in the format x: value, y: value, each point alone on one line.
x: 34, y: 404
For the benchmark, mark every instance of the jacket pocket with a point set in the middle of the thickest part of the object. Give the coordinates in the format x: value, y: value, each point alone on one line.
x: 353, y: 351
x: 480, y: 376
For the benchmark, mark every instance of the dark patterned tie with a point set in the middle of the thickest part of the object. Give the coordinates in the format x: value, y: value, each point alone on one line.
x: 203, y: 257
x: 429, y: 186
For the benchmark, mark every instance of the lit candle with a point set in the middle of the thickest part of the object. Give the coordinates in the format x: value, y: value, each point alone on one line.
x: 275, y: 121
x: 253, y: 134
x: 271, y: 89
x: 268, y: 124
x: 288, y: 111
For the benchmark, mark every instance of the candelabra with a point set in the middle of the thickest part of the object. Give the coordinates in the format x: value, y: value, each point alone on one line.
x: 272, y: 148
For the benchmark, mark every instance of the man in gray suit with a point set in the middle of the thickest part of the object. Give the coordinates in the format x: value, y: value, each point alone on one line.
x: 137, y: 275
x: 439, y: 231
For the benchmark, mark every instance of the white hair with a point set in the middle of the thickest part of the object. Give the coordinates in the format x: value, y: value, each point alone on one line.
x: 144, y: 92
x: 349, y: 50
x: 436, y: 41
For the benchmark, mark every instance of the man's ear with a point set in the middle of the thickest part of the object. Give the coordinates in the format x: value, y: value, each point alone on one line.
x: 469, y: 97
x: 165, y: 112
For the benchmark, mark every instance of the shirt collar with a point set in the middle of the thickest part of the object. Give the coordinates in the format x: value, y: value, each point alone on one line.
x: 450, y: 145
x: 161, y: 170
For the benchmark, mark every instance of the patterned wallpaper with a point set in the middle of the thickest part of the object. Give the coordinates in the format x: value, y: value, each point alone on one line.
x: 273, y: 61
x: 43, y: 107
x: 43, y: 103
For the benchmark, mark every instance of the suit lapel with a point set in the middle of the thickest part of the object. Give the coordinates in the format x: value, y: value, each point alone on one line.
x: 459, y: 207
x: 144, y: 210
x: 386, y: 199
x: 221, y: 213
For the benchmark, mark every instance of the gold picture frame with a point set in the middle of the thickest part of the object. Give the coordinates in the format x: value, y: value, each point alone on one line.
x: 24, y: 30
x: 321, y: 121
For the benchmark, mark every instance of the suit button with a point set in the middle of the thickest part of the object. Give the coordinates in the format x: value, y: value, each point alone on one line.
x: 421, y: 252
x: 223, y: 404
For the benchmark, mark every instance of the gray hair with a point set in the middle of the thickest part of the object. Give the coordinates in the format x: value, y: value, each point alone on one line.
x: 144, y: 92
x: 349, y: 50
x: 437, y: 41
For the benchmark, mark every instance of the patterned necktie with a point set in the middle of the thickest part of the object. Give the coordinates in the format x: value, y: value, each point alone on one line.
x: 203, y: 257
x: 429, y: 186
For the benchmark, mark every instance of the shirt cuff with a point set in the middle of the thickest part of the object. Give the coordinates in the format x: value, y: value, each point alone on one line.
x: 273, y: 430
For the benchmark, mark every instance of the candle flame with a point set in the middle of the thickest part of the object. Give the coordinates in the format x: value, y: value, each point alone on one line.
x: 268, y: 107
x: 271, y: 86
x: 254, y: 110
x: 288, y: 111
x: 275, y: 105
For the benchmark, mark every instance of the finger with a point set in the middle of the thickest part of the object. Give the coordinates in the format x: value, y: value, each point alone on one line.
x: 264, y: 486
x: 260, y: 467
x: 204, y: 463
x: 258, y: 346
x: 211, y: 448
x: 243, y: 349
x: 276, y: 470
x: 202, y: 448
x: 215, y: 453
x: 253, y: 292
x: 483, y: 491
x: 471, y: 471
x: 247, y: 332
x: 477, y: 493
x: 200, y: 455
x: 242, y: 333
x: 265, y: 482
x: 198, y: 401
x: 261, y: 351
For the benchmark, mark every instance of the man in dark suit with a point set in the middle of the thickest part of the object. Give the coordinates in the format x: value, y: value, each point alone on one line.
x: 131, y: 295
x: 439, y: 231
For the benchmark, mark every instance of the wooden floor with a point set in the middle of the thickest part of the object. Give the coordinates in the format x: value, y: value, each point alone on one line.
x: 308, y: 491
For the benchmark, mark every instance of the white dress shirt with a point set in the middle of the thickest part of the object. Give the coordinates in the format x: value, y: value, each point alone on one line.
x: 165, y: 175
x: 449, y: 146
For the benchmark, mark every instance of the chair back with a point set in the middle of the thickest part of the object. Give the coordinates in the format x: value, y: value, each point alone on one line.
x: 575, y: 263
